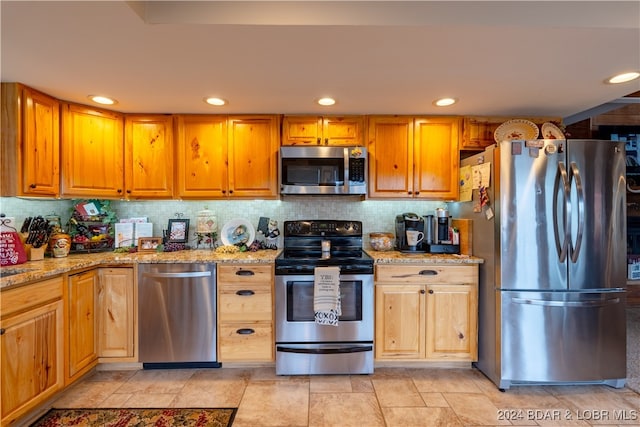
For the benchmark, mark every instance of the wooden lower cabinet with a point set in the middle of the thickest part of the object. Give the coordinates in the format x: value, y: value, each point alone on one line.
x: 116, y: 321
x: 426, y: 312
x: 81, y: 336
x: 245, y: 313
x: 31, y: 347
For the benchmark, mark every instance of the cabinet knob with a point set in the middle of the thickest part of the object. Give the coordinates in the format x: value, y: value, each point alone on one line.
x: 430, y: 291
x: 318, y: 141
x: 32, y: 186
x: 409, y: 192
x: 2, y: 331
x: 326, y: 141
x: 245, y: 292
x: 422, y: 291
x: 230, y: 191
x: 245, y: 331
x: 128, y: 191
x: 119, y: 190
x: 416, y: 193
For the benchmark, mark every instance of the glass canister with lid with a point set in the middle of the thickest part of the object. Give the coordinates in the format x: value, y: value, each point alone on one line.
x: 381, y: 241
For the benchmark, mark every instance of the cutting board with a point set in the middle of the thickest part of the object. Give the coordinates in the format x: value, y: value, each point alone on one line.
x: 465, y: 228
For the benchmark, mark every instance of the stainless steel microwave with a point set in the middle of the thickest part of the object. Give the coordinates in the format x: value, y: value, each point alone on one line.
x: 323, y: 170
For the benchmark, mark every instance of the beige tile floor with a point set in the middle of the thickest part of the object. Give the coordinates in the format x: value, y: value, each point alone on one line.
x: 389, y: 397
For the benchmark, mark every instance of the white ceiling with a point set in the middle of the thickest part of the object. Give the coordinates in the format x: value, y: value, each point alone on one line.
x: 375, y: 57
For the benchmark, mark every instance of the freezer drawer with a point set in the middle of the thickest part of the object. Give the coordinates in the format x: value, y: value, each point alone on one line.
x: 563, y: 337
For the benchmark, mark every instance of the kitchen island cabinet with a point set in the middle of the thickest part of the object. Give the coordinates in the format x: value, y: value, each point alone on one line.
x: 81, y: 325
x: 413, y: 157
x: 223, y: 157
x: 323, y: 130
x: 427, y: 312
x: 148, y: 156
x: 245, y: 313
x: 92, y: 159
x: 31, y: 346
x: 30, y: 152
x: 116, y: 314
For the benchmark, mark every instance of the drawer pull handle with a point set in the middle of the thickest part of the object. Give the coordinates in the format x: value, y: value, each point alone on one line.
x: 245, y: 331
x: 245, y: 292
x: 421, y: 273
x: 245, y: 273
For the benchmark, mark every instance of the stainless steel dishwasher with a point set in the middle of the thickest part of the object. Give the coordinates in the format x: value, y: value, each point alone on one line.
x: 177, y: 315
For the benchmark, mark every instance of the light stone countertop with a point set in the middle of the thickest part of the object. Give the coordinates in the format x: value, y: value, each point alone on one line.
x: 49, y: 267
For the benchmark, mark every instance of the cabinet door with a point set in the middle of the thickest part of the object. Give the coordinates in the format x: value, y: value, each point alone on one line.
x: 345, y: 131
x: 81, y: 344
x: 148, y: 157
x: 202, y: 156
x: 400, y: 329
x: 452, y: 330
x: 92, y: 164
x: 30, y: 142
x: 116, y: 315
x: 31, y: 359
x: 390, y: 147
x: 41, y: 144
x: 253, y: 155
x: 436, y: 155
x: 301, y: 130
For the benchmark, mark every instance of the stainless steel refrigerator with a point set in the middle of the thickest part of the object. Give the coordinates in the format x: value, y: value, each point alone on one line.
x: 552, y: 232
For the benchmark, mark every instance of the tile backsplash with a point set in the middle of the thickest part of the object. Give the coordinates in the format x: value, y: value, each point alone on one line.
x: 376, y: 215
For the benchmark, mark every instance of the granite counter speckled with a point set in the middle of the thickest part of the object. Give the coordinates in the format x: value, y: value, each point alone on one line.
x: 397, y: 257
x: 49, y: 267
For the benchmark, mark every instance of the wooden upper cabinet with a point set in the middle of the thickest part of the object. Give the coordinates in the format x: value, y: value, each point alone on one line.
x: 202, y: 156
x: 253, y: 156
x: 30, y: 142
x: 92, y: 154
x: 329, y: 130
x: 223, y: 157
x: 390, y: 148
x: 477, y: 131
x: 436, y: 170
x: 148, y: 156
x: 413, y: 157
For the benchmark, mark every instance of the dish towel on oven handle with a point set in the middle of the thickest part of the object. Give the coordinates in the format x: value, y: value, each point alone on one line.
x: 326, y: 295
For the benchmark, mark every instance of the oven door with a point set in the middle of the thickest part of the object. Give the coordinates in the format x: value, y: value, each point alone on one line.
x: 295, y: 322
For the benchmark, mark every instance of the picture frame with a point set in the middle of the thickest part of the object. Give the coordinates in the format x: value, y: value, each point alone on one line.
x: 178, y: 231
x: 149, y: 244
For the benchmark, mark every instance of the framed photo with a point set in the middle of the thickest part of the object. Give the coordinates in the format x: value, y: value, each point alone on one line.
x: 149, y: 244
x: 178, y: 230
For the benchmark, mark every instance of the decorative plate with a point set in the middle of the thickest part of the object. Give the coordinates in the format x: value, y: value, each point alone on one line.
x: 238, y: 232
x: 551, y: 131
x: 516, y: 129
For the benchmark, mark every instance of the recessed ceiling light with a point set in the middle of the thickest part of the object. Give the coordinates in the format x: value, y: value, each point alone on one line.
x: 326, y: 101
x: 218, y: 102
x: 624, y: 77
x: 444, y: 102
x: 102, y: 100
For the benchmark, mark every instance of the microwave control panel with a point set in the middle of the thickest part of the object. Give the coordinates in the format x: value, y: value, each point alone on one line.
x: 356, y: 169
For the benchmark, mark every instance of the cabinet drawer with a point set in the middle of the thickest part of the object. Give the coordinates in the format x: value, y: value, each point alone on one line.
x: 246, y: 342
x: 230, y: 274
x: 24, y: 297
x: 427, y: 274
x: 238, y: 302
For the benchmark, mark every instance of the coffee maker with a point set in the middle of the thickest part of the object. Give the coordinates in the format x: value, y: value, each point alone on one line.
x: 439, y: 238
x: 409, y: 222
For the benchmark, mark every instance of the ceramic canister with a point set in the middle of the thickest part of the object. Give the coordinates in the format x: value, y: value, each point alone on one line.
x: 60, y: 244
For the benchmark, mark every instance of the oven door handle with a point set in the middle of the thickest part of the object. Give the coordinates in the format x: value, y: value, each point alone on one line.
x: 355, y: 349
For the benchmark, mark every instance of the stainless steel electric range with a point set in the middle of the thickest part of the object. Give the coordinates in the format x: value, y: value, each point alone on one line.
x: 304, y: 347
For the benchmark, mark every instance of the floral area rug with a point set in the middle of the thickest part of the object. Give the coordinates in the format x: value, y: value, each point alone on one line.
x: 121, y: 417
x: 633, y: 348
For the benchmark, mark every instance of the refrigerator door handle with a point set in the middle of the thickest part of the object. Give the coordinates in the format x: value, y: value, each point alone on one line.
x: 562, y: 175
x: 548, y: 303
x: 575, y: 175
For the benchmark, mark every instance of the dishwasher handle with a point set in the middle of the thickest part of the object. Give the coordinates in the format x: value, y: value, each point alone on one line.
x: 181, y: 275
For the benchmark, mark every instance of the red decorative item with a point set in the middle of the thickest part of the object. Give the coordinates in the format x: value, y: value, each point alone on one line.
x: 11, y: 250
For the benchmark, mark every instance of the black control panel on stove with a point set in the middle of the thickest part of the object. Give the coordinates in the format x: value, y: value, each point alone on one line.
x: 320, y: 227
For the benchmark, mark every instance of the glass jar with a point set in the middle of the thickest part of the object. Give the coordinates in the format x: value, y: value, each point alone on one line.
x: 381, y: 241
